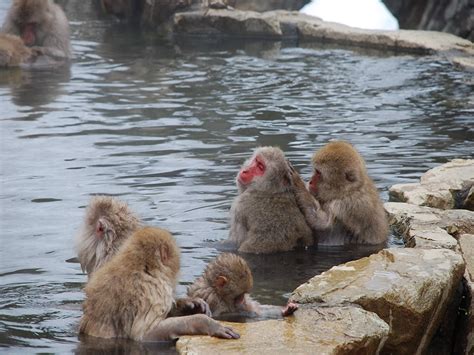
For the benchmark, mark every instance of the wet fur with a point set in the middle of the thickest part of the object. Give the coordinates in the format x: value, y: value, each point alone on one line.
x: 265, y: 217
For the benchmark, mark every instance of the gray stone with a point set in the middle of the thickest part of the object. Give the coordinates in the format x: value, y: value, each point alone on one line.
x: 447, y: 186
x: 324, y: 330
x: 408, y: 288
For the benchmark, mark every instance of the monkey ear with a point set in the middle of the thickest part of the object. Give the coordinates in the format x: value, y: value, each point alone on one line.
x: 100, y: 228
x: 221, y: 281
x: 164, y: 253
x: 351, y: 176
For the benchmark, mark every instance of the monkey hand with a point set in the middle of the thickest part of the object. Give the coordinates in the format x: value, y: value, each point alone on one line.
x: 289, y: 309
x: 189, y: 306
x: 296, y: 181
x: 219, y: 331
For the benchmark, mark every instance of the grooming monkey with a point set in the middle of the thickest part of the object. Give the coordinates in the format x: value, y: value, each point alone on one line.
x: 341, y: 204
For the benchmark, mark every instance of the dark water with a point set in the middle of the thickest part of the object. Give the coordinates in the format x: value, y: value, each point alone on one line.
x: 165, y: 126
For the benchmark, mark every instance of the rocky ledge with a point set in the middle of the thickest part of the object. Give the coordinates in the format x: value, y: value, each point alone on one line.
x: 412, y: 300
x: 282, y: 24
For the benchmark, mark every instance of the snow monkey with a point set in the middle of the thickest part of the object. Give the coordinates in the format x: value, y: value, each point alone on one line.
x: 42, y: 25
x: 265, y: 217
x: 341, y: 203
x: 131, y: 296
x: 225, y: 285
x: 107, y: 224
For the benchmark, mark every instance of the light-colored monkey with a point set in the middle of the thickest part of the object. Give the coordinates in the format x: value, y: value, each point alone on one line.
x: 42, y: 25
x: 225, y: 285
x: 107, y: 224
x: 13, y: 51
x: 265, y: 217
x: 131, y: 296
x: 342, y: 205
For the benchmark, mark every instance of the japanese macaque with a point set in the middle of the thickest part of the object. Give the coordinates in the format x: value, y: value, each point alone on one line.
x: 225, y: 285
x: 342, y: 204
x: 13, y: 51
x: 42, y: 25
x: 107, y: 224
x: 265, y: 217
x: 132, y: 295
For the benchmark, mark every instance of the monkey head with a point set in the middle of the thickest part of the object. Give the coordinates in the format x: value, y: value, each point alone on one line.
x: 31, y: 17
x: 266, y: 170
x: 339, y: 170
x: 231, y: 279
x: 108, y: 222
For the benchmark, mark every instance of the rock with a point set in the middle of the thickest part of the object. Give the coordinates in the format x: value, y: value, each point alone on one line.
x: 447, y: 186
x: 228, y: 22
x: 268, y: 5
x: 330, y: 330
x: 453, y: 16
x: 408, y: 288
x: 279, y: 24
x: 423, y: 226
x: 466, y: 243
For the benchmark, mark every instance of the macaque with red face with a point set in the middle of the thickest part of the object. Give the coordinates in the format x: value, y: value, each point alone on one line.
x: 341, y: 204
x: 225, y: 285
x: 42, y: 25
x: 265, y: 217
x: 131, y: 296
x: 13, y: 51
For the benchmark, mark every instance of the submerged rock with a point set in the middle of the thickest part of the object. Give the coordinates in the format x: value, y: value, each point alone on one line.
x: 447, y: 186
x: 410, y: 289
x: 324, y: 330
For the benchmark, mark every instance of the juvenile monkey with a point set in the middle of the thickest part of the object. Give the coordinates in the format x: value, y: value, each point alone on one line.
x: 107, y: 224
x: 13, y: 51
x: 132, y: 295
x: 225, y: 285
x: 265, y: 217
x: 342, y: 205
x: 42, y: 25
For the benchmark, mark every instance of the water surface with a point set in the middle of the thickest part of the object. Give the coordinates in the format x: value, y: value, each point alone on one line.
x: 166, y: 125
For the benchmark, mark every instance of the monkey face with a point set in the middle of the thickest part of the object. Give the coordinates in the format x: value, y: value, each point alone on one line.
x: 256, y: 167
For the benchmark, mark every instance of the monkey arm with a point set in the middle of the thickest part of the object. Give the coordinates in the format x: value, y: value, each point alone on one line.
x: 316, y: 217
x: 187, y: 306
x: 198, y: 324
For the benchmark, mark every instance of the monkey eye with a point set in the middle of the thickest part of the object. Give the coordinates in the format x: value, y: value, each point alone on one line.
x: 260, y: 166
x: 317, y: 172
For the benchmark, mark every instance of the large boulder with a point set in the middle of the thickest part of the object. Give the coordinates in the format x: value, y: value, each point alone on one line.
x: 326, y: 330
x: 268, y: 5
x: 447, y: 186
x: 408, y: 288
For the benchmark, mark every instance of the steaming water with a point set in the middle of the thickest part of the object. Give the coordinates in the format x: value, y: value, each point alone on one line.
x: 165, y: 126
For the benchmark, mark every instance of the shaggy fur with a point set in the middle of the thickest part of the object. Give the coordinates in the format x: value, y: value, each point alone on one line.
x: 119, y: 221
x: 13, y: 51
x: 265, y: 217
x: 52, y: 27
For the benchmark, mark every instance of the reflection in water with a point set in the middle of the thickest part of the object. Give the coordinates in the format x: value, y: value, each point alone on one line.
x: 166, y: 125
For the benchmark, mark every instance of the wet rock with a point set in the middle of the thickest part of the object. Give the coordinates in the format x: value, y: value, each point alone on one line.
x: 408, y: 288
x: 329, y: 330
x: 454, y: 16
x: 268, y: 5
x: 281, y: 24
x: 466, y: 243
x: 229, y: 22
x: 426, y: 227
x: 447, y: 186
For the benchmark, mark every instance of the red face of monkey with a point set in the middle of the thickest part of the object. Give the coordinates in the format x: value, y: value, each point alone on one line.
x: 313, y: 183
x: 255, y: 168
